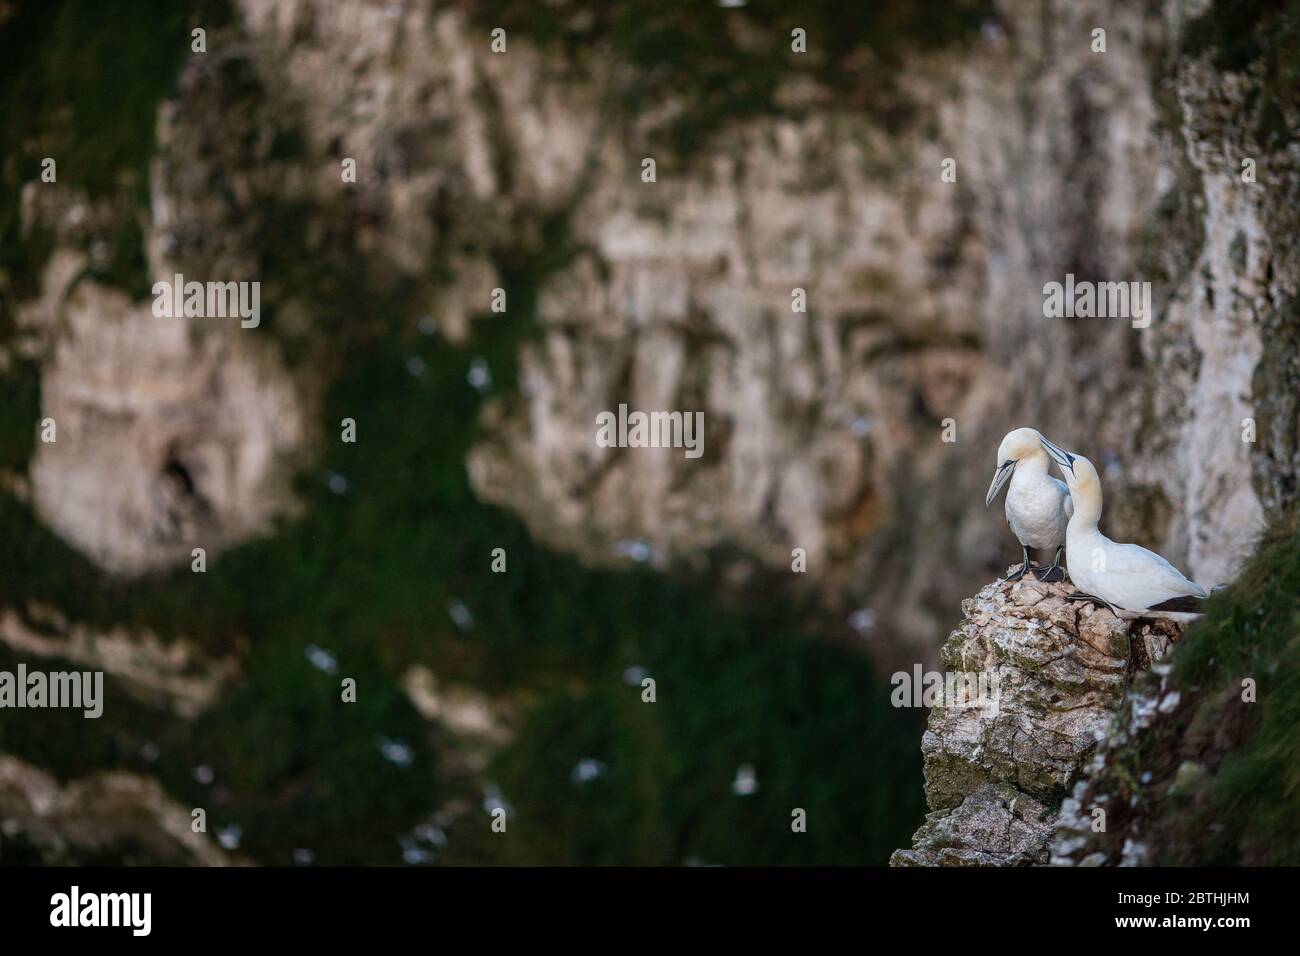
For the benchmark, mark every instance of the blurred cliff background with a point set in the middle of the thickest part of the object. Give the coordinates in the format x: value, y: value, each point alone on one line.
x: 522, y: 171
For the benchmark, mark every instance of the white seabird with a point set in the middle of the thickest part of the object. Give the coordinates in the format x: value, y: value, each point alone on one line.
x: 1038, y: 506
x: 1133, y: 581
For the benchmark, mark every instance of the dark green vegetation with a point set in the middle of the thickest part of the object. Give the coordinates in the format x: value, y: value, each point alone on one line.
x: 1224, y: 784
x: 371, y: 569
x: 81, y: 84
x: 1263, y: 35
x: 370, y: 575
x: 703, y: 66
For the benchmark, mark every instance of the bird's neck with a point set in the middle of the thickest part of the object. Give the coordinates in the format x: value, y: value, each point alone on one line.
x: 1030, y: 469
x: 1087, y: 508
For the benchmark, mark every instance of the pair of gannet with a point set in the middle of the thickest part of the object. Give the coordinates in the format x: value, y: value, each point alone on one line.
x: 1044, y: 513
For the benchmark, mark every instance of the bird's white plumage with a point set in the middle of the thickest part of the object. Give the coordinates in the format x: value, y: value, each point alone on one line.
x: 1037, y: 507
x: 1126, y: 576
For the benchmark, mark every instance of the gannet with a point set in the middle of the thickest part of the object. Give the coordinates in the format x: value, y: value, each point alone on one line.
x: 1133, y: 581
x: 1038, y: 505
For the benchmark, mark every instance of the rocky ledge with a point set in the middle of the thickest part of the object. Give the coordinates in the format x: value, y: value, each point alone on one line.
x: 999, y: 764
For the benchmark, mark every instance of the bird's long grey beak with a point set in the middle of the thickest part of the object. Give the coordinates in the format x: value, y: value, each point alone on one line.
x: 1058, y: 455
x: 999, y: 479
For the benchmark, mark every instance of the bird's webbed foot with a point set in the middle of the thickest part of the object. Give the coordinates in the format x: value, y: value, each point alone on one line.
x: 1025, y: 565
x: 1053, y: 572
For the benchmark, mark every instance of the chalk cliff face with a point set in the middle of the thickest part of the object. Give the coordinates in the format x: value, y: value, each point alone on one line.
x: 825, y: 429
x: 164, y: 436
